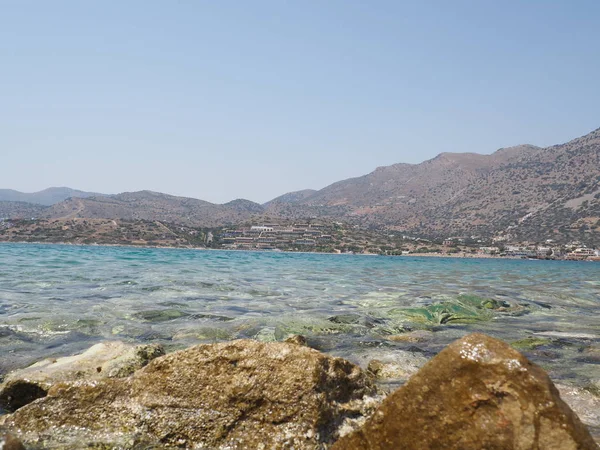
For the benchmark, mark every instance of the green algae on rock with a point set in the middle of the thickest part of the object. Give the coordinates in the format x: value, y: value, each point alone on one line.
x: 481, y: 302
x: 240, y: 394
x: 440, y: 313
x: 476, y: 393
x: 465, y: 308
x: 530, y: 343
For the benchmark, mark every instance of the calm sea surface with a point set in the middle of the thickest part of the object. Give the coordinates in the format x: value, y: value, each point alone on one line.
x: 56, y: 300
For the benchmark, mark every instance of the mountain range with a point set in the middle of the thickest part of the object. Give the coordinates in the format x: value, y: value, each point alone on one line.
x: 524, y: 191
x: 148, y: 205
x: 519, y: 193
x: 46, y: 197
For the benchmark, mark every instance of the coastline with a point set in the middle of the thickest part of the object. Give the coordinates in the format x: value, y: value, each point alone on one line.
x: 462, y: 255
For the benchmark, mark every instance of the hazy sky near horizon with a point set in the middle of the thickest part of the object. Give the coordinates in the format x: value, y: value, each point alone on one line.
x: 220, y: 100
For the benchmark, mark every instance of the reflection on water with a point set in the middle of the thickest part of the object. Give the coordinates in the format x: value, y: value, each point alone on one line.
x: 56, y: 300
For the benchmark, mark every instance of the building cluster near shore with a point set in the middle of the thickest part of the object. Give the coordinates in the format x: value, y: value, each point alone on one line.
x: 310, y: 236
x: 548, y: 250
x: 270, y: 236
x: 338, y: 239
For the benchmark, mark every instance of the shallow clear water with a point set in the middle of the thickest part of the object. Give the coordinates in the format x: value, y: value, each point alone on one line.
x: 57, y: 300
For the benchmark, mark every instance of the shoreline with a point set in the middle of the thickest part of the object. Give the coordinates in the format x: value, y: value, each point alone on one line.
x: 461, y: 255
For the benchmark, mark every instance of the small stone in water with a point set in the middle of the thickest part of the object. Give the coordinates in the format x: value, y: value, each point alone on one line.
x: 297, y: 339
x: 349, y: 319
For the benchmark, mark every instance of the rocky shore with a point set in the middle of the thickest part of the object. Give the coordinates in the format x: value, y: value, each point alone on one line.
x: 476, y: 393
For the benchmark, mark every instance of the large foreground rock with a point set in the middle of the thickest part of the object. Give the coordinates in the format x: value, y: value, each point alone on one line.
x: 241, y: 394
x: 477, y: 393
x: 107, y: 359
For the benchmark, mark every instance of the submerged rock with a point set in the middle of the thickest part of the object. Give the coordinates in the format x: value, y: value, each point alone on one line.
x: 390, y: 370
x: 590, y: 355
x: 566, y: 334
x: 280, y: 328
x: 477, y: 393
x: 297, y: 339
x: 267, y: 334
x: 412, y: 336
x: 478, y: 302
x: 108, y: 359
x: 463, y: 309
x: 214, y: 317
x: 203, y: 333
x: 393, y: 363
x: 586, y: 404
x: 346, y: 318
x: 241, y: 394
x: 160, y: 315
x: 530, y: 343
x: 356, y: 319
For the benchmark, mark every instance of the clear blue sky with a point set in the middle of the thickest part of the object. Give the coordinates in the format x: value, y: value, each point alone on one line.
x: 221, y: 99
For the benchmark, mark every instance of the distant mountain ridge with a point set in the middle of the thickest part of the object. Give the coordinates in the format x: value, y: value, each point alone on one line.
x: 404, y: 178
x: 292, y: 197
x: 148, y: 205
x: 523, y: 193
x: 46, y: 197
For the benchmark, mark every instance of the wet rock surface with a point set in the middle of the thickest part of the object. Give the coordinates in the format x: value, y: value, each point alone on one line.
x: 389, y: 365
x: 398, y: 364
x: 10, y: 442
x: 108, y: 359
x: 477, y: 393
x: 297, y: 339
x: 585, y: 404
x: 241, y: 394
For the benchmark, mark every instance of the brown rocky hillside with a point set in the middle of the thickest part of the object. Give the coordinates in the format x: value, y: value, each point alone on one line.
x: 147, y: 205
x: 526, y: 191
x: 20, y: 210
x: 520, y: 193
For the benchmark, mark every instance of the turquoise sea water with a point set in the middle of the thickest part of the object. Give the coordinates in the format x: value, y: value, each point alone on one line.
x: 57, y: 300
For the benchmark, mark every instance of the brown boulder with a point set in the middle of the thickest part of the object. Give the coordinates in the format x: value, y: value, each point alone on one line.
x: 477, y: 393
x: 241, y: 394
x: 104, y: 360
x: 9, y: 442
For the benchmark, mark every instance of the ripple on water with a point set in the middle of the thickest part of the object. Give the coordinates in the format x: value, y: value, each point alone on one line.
x: 51, y: 296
